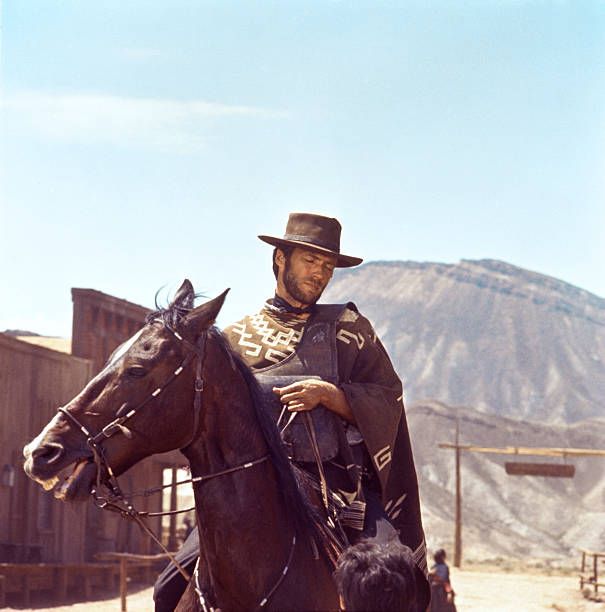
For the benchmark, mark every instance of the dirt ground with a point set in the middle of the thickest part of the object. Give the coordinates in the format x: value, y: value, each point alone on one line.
x: 477, y: 591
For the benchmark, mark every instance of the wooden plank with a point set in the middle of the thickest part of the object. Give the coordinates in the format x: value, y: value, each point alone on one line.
x: 116, y: 556
x: 526, y: 450
x: 87, y: 580
x: 550, y: 470
x: 61, y: 583
x: 110, y: 574
x: 37, y: 381
x: 26, y: 582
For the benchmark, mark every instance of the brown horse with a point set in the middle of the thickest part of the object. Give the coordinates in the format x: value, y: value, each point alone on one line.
x: 177, y: 385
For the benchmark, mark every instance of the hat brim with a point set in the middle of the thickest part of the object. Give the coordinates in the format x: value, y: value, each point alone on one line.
x: 342, y: 261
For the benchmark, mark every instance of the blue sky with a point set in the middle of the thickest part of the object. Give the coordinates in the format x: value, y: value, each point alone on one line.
x: 145, y: 142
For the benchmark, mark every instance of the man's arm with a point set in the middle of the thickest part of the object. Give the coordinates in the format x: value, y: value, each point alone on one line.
x: 307, y: 394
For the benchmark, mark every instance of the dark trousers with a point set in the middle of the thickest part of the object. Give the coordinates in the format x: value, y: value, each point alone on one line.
x: 170, y: 585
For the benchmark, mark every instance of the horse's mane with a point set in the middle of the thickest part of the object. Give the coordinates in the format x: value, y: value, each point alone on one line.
x: 305, y: 519
x: 290, y: 479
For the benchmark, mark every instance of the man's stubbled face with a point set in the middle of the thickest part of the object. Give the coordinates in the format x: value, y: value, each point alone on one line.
x: 304, y: 275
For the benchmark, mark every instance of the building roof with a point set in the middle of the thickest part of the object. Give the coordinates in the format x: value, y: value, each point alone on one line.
x: 63, y: 345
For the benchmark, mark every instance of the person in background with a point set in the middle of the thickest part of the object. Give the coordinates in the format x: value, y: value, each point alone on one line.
x: 377, y: 577
x: 442, y: 594
x: 187, y: 526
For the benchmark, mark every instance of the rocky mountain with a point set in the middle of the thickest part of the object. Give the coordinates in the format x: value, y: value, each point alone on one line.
x: 19, y: 332
x: 486, y: 334
x: 524, y: 517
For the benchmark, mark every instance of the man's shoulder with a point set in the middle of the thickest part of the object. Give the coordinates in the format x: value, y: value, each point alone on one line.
x: 337, y: 312
x: 348, y: 312
x: 348, y: 317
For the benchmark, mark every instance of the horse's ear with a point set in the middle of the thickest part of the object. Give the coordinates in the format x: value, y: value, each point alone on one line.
x: 184, y: 296
x: 202, y: 317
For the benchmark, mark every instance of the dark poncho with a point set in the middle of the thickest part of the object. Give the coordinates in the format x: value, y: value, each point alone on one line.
x: 374, y: 393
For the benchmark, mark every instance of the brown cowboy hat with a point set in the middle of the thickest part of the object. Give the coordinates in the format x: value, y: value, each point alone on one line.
x: 314, y: 232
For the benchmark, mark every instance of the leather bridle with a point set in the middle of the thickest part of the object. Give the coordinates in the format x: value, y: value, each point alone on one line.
x: 124, y: 414
x: 118, y: 502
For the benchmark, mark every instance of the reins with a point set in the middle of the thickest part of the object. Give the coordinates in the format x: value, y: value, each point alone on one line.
x: 208, y: 608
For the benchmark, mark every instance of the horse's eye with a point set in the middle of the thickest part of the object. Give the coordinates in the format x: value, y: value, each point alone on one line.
x: 136, y: 372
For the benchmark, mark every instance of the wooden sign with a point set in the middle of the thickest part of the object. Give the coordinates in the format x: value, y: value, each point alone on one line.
x: 556, y: 470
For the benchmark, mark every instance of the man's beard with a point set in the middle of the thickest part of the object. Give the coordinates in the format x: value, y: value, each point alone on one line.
x: 296, y: 291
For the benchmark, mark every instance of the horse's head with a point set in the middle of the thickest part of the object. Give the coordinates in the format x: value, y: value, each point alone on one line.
x: 114, y: 421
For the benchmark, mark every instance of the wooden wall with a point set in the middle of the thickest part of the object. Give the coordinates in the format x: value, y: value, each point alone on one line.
x: 34, y: 381
x: 101, y: 323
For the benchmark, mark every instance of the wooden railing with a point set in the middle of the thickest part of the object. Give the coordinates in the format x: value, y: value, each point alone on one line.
x: 128, y: 559
x: 589, y: 571
x: 60, y: 579
x: 56, y: 578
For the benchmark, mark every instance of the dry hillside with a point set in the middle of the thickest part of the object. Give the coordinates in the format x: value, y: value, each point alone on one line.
x: 486, y: 334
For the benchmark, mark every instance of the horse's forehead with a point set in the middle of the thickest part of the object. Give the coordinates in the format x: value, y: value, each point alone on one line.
x: 152, y: 334
x: 124, y: 347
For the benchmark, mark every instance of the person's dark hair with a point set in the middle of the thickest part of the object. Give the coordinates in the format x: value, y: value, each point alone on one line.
x: 439, y: 556
x: 286, y: 250
x: 377, y: 577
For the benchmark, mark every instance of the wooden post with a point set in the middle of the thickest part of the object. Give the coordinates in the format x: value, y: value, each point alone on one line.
x: 583, y: 569
x: 172, y: 541
x: 458, y: 513
x: 595, y: 572
x: 123, y: 582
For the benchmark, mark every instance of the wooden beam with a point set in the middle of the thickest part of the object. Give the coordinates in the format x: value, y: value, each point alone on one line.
x: 526, y: 450
x: 172, y: 541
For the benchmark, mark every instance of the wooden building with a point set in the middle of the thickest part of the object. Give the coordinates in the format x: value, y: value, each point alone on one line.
x: 100, y: 323
x: 34, y: 381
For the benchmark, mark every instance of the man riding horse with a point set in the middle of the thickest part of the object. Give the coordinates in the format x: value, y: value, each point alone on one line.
x: 326, y: 362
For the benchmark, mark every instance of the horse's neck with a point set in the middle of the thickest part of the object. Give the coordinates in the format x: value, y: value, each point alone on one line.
x: 241, y: 517
x: 229, y: 431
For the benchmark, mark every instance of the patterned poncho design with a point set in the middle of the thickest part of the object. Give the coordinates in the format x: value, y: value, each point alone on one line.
x: 374, y: 392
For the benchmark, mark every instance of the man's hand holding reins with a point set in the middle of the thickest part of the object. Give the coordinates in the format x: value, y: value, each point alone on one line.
x: 308, y: 394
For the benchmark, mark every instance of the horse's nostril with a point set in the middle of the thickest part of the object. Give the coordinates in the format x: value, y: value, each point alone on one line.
x: 49, y: 453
